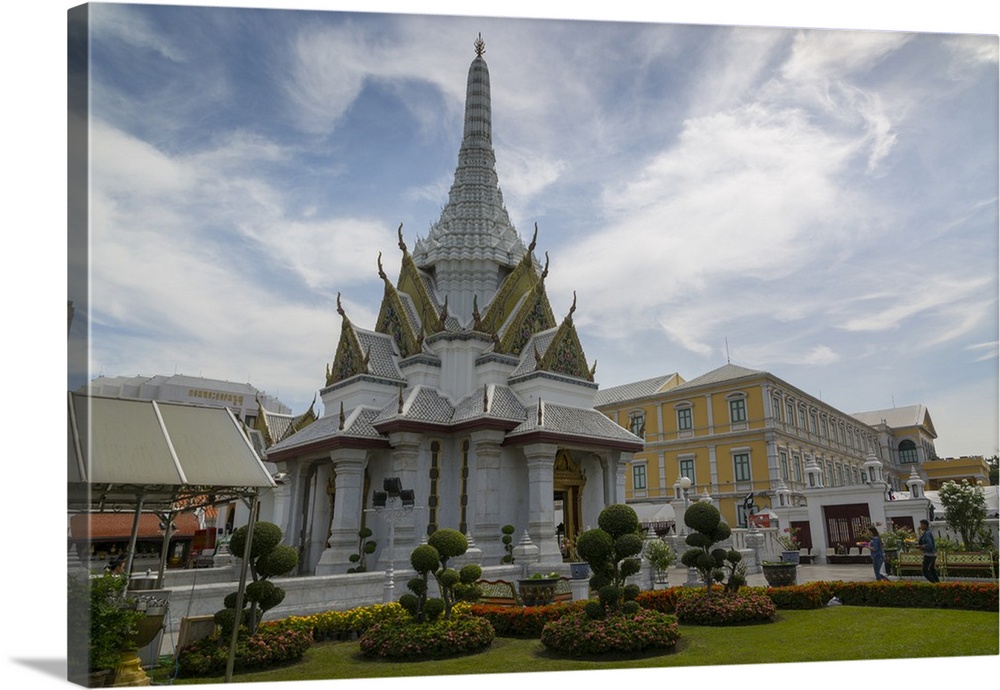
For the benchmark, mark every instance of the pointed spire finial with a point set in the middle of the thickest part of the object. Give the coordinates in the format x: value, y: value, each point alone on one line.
x: 399, y: 234
x: 480, y: 46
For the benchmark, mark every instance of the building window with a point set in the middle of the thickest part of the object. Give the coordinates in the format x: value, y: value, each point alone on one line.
x: 741, y: 467
x: 741, y: 515
x: 802, y: 417
x: 637, y: 424
x: 686, y: 469
x: 784, y: 465
x: 797, y: 465
x: 684, y: 419
x: 907, y: 452
x: 776, y: 408
x: 639, y: 477
x: 737, y: 410
x: 813, y: 428
x: 824, y: 428
x: 789, y: 413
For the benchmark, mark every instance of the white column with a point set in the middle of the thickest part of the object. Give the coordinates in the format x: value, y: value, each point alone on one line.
x: 349, y: 467
x: 485, y: 487
x: 540, y: 459
x: 405, y: 456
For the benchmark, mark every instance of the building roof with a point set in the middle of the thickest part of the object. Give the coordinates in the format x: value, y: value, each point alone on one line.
x: 724, y: 374
x: 95, y: 526
x: 634, y: 391
x: 899, y: 418
x: 564, y: 421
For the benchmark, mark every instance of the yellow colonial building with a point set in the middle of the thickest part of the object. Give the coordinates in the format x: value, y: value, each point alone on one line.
x: 734, y: 431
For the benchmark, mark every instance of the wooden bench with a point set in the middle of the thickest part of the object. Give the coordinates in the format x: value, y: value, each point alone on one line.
x: 503, y: 593
x: 498, y: 593
x: 949, y: 564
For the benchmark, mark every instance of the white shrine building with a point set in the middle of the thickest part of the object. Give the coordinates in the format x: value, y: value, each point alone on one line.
x: 468, y: 390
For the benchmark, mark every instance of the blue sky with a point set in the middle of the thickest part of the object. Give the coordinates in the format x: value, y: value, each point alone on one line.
x: 819, y: 204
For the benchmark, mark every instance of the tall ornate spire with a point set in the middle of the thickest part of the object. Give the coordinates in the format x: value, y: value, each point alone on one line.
x: 474, y: 243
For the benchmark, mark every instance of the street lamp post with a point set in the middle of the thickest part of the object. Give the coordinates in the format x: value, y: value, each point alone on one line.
x: 692, y: 575
x: 392, y: 504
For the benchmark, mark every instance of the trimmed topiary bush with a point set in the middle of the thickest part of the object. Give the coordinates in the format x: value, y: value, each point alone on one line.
x: 268, y: 558
x: 612, y: 552
x: 273, y: 643
x: 709, y: 529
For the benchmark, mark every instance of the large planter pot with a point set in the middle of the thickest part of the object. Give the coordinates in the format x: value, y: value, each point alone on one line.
x: 537, y: 591
x: 790, y: 556
x: 579, y: 571
x: 780, y: 574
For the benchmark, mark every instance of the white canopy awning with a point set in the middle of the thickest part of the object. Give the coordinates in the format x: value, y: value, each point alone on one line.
x: 121, y: 449
x: 651, y: 513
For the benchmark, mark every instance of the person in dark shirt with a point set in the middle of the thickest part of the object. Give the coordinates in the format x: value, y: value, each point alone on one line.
x: 926, y: 544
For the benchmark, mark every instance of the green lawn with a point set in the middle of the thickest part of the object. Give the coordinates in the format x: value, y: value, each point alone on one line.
x: 841, y: 633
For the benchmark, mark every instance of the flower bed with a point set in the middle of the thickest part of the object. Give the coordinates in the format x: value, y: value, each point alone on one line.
x: 461, y: 634
x: 521, y: 621
x: 748, y: 605
x: 663, y: 600
x: 339, y: 625
x: 575, y: 635
x: 273, y: 643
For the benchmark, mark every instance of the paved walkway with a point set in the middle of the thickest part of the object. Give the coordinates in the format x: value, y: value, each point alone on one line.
x: 807, y: 573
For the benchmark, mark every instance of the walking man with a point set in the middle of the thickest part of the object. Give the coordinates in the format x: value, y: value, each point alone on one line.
x: 926, y: 544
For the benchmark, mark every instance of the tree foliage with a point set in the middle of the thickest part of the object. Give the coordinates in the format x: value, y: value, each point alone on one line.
x: 965, y: 512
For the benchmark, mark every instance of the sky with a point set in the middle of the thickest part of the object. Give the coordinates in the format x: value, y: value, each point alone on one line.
x: 820, y: 204
x: 823, y: 203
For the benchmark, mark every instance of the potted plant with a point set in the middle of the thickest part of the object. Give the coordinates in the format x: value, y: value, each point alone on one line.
x: 894, y: 539
x: 780, y: 573
x: 539, y: 589
x: 660, y: 557
x: 789, y: 541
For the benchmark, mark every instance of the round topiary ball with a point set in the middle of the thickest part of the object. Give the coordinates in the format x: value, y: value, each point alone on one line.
x: 628, y: 545
x: 449, y: 578
x: 410, y: 603
x: 702, y: 517
x: 631, y: 607
x: 722, y: 532
x: 630, y: 566
x: 417, y: 585
x: 470, y: 573
x: 448, y: 542
x: 279, y: 560
x: 595, y: 546
x: 618, y: 519
x: 266, y: 535
x: 433, y: 608
x: 425, y: 558
x: 698, y: 540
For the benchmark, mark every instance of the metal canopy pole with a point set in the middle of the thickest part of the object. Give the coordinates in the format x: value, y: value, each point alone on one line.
x: 130, y: 553
x: 244, y: 566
